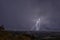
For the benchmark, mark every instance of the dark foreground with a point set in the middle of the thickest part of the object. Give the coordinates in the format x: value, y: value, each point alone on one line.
x: 29, y: 35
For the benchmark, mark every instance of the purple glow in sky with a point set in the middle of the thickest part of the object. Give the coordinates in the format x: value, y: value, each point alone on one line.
x: 18, y: 14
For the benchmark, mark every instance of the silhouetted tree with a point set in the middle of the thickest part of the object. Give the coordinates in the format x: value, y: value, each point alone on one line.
x: 2, y: 28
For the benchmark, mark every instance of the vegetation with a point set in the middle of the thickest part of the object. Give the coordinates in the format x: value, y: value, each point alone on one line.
x: 9, y: 35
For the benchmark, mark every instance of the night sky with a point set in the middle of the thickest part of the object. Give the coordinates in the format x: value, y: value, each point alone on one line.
x: 18, y: 15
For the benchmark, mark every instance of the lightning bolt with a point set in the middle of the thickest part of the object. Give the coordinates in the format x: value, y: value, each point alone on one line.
x: 37, y: 25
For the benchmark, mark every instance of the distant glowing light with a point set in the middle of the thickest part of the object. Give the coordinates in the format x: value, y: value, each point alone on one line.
x: 40, y: 23
x: 37, y: 25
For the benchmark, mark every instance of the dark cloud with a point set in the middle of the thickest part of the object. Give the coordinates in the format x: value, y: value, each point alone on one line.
x: 18, y: 14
